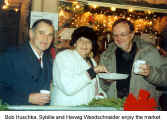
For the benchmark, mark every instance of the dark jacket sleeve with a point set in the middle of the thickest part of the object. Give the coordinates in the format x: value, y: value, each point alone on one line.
x: 8, y: 81
x: 4, y: 73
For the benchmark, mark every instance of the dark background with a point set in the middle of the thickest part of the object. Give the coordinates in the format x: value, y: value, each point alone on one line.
x: 9, y: 28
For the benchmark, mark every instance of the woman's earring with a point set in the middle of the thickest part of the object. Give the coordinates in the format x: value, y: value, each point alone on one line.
x: 75, y: 45
x: 91, y: 54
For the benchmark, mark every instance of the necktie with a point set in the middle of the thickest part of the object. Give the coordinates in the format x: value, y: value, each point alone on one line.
x: 39, y: 60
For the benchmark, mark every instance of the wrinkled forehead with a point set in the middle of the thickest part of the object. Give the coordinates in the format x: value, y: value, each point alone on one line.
x: 84, y: 39
x: 121, y: 28
x: 43, y: 25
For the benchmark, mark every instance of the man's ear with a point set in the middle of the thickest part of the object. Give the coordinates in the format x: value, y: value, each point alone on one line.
x: 132, y: 34
x: 31, y: 34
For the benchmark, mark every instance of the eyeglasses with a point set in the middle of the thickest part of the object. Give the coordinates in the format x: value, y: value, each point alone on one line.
x: 121, y: 35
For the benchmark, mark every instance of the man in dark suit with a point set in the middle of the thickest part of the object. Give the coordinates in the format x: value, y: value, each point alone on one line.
x: 22, y: 74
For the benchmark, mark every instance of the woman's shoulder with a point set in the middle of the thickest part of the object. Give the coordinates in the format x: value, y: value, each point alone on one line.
x: 65, y: 54
x: 66, y: 57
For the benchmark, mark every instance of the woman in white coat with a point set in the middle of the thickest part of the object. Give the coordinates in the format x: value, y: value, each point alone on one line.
x: 75, y: 80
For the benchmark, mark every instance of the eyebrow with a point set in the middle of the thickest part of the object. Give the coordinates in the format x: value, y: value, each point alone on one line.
x: 121, y: 33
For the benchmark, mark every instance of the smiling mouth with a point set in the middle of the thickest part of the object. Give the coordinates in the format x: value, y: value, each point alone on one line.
x: 44, y: 43
x: 119, y: 41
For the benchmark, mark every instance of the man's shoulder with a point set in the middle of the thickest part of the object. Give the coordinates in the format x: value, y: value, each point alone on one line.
x: 15, y: 51
x: 110, y: 50
x: 149, y: 46
x: 142, y: 44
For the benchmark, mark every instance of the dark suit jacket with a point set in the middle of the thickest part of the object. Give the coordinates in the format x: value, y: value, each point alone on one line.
x: 21, y: 74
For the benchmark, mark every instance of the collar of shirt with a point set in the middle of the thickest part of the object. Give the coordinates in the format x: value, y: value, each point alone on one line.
x: 37, y: 55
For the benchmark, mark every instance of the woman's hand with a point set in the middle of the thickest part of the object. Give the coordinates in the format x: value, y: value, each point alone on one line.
x: 100, y: 68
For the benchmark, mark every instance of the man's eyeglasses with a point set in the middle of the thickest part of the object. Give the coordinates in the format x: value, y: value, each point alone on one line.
x: 121, y: 35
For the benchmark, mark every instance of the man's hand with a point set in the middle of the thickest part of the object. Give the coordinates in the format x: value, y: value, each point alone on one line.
x: 38, y: 98
x: 100, y: 68
x: 145, y: 70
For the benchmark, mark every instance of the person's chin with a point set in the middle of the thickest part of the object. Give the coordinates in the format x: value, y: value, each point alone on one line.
x: 83, y: 54
x: 120, y: 46
x: 44, y: 48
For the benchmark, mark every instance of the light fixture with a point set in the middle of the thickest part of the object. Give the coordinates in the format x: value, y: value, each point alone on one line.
x: 149, y: 12
x: 130, y: 10
x: 113, y: 9
x: 77, y: 6
x: 94, y: 6
x: 4, y: 7
x: 61, y: 13
x: 16, y: 9
x: 6, y: 2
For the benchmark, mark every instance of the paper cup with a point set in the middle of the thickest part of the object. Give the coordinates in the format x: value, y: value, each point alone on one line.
x: 44, y: 91
x: 137, y: 65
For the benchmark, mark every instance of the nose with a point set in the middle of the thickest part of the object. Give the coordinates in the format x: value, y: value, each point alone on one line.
x: 84, y: 45
x: 117, y: 37
x: 46, y: 37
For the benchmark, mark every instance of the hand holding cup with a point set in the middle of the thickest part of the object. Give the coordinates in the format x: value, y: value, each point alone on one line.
x: 100, y: 68
x: 39, y: 98
x: 141, y: 68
